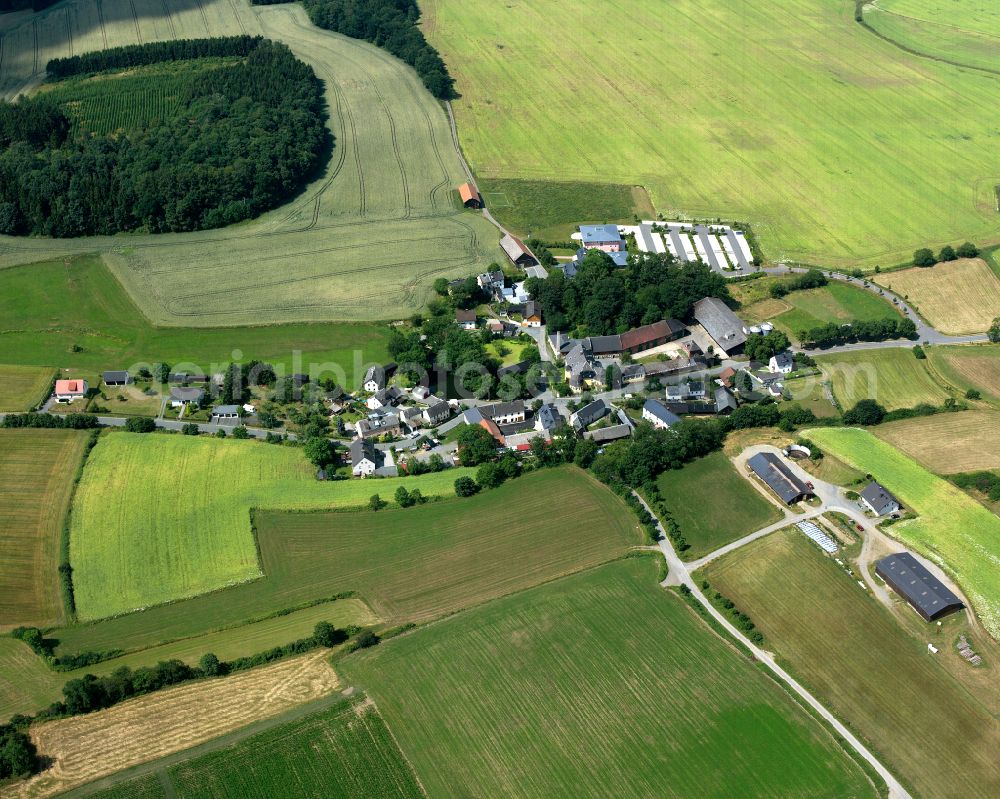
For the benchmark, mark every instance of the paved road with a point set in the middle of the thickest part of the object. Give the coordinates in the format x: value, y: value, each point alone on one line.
x: 925, y: 332
x: 678, y: 575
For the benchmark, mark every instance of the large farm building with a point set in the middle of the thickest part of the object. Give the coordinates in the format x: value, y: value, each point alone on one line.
x: 912, y: 581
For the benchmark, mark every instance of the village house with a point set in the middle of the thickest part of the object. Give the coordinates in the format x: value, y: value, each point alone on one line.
x: 492, y: 284
x: 504, y: 413
x: 601, y: 237
x: 532, y: 315
x: 465, y: 319
x: 412, y: 417
x: 471, y: 198
x: 69, y: 390
x: 570, y: 268
x: 227, y: 412
x: 378, y: 426
x: 588, y: 415
x: 782, y: 362
x: 879, y: 501
x: 365, y: 458
x: 656, y: 413
x: 179, y: 397
x: 548, y: 419
x: 437, y: 411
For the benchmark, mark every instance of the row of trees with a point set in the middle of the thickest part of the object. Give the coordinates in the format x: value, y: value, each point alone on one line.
x: 925, y: 257
x: 137, y: 55
x: 831, y: 333
x: 603, y: 299
x: 245, y: 137
x: 389, y: 24
x: 71, y: 421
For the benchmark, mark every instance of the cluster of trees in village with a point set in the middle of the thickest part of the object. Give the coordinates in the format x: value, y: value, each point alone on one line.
x: 244, y: 138
x: 603, y: 299
x: 760, y: 347
x: 390, y: 24
x: 832, y: 333
x: 813, y: 279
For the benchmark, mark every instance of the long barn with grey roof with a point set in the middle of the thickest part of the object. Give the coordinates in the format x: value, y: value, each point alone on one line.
x: 721, y: 324
x: 779, y: 478
x: 909, y: 578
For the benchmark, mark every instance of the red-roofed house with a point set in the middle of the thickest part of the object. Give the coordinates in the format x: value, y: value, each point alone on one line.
x: 471, y: 198
x: 69, y: 390
x: 491, y: 427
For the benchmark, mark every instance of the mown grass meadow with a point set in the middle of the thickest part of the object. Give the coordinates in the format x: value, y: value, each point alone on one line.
x: 23, y: 387
x: 951, y: 528
x: 867, y: 668
x: 601, y: 679
x: 713, y: 504
x: 892, y: 376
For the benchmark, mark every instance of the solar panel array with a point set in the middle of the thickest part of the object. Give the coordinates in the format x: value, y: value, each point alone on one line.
x: 816, y: 534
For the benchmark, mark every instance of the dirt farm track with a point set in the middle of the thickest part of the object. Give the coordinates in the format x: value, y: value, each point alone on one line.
x: 364, y: 241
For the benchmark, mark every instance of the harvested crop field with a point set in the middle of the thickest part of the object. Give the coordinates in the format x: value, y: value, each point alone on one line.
x: 86, y: 748
x: 951, y: 528
x: 865, y: 667
x: 341, y: 748
x: 713, y: 504
x: 407, y: 564
x: 23, y: 387
x: 977, y: 367
x: 382, y: 208
x: 780, y: 114
x: 636, y: 693
x: 957, y: 297
x: 37, y: 468
x: 891, y: 376
x: 948, y: 443
x: 158, y: 518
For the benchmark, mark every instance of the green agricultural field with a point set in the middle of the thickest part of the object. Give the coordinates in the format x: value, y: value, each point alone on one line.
x: 37, y: 468
x: 782, y: 113
x: 47, y: 309
x: 26, y: 684
x: 635, y: 692
x: 862, y: 664
x: 892, y: 376
x: 158, y: 517
x: 394, y: 559
x: 551, y: 210
x: 364, y: 241
x: 342, y: 751
x: 23, y: 387
x: 975, y: 367
x: 952, y: 529
x: 713, y: 504
x: 950, y: 30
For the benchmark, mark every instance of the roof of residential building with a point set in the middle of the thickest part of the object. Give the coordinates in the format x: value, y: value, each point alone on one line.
x: 783, y: 360
x: 548, y: 417
x: 720, y: 322
x: 226, y: 410
x: 115, y: 376
x: 187, y: 394
x: 779, y: 478
x: 532, y: 309
x: 514, y: 407
x: 537, y: 271
x: 462, y: 315
x: 641, y: 336
x: 70, y: 386
x: 436, y: 407
x: 880, y: 499
x: 590, y: 413
x: 362, y: 449
x: 376, y: 373
x: 599, y: 234
x: 604, y: 345
x: 661, y: 412
x: 724, y: 400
